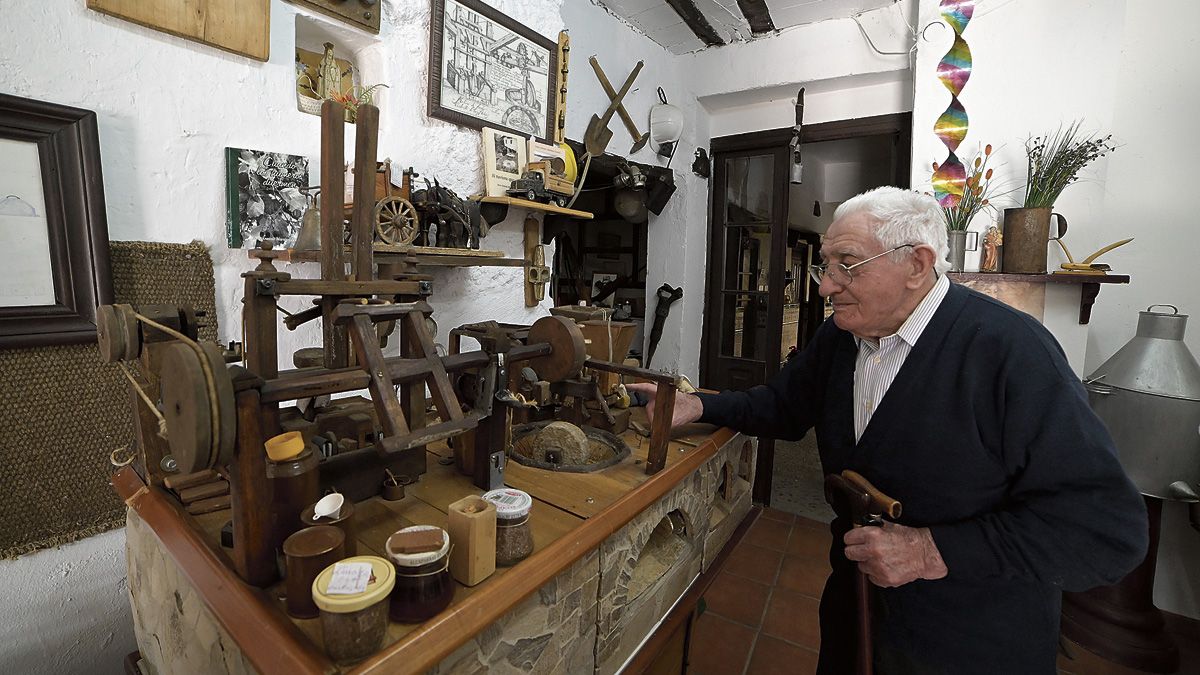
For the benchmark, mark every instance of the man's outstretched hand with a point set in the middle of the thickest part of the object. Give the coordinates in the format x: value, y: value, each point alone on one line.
x: 688, y: 407
x: 894, y: 555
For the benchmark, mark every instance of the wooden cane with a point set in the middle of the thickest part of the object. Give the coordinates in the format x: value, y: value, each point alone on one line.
x: 867, y: 507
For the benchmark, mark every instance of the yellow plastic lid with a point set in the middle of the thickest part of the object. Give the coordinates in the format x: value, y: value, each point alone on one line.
x: 383, y: 579
x: 285, y: 446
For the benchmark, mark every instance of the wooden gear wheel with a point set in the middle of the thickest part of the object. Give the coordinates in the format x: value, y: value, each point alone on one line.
x: 201, y: 419
x: 396, y: 221
x: 567, y: 353
x: 117, y: 333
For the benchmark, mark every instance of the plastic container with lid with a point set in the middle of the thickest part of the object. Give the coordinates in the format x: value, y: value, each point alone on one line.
x: 514, y: 539
x: 308, y: 552
x: 423, y: 584
x: 295, y: 483
x: 354, y: 625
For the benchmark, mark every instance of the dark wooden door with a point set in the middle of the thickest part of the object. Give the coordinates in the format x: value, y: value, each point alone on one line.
x: 746, y: 256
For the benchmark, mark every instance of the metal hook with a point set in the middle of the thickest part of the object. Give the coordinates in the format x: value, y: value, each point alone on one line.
x: 929, y: 25
x: 662, y: 95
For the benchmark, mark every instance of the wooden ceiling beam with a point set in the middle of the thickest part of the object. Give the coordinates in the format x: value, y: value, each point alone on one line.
x: 694, y: 18
x: 758, y: 15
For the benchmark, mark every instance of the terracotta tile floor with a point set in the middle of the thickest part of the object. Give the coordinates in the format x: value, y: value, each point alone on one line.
x: 761, y: 612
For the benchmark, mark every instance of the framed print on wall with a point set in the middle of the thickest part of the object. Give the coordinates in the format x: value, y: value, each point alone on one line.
x: 53, y: 231
x: 485, y: 69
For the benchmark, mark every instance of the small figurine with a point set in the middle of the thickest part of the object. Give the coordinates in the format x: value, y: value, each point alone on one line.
x: 992, y: 241
x: 329, y: 75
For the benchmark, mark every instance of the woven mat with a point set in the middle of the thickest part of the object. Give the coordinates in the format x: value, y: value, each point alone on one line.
x: 66, y: 411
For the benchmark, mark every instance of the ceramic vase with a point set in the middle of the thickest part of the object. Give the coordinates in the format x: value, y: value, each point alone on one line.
x: 957, y: 239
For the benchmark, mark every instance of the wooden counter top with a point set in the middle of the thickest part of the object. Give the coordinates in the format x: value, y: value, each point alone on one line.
x: 572, y: 515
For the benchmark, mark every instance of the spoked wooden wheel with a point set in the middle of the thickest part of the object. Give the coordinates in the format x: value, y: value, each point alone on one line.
x: 396, y: 221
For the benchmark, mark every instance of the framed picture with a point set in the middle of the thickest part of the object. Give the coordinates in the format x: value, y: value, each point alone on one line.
x: 53, y: 231
x: 503, y: 160
x: 485, y: 69
x: 264, y: 197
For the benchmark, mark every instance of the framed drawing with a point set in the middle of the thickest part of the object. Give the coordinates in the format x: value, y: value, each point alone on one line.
x: 485, y: 69
x: 53, y: 231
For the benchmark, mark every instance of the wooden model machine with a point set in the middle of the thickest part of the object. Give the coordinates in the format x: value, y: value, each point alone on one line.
x: 215, y: 415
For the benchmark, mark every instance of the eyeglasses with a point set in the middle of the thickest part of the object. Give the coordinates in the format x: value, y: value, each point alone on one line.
x: 841, y: 273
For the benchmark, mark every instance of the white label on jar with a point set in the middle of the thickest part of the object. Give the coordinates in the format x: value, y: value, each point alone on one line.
x: 508, y: 499
x: 349, y: 578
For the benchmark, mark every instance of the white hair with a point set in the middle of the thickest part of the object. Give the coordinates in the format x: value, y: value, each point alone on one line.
x: 903, y: 217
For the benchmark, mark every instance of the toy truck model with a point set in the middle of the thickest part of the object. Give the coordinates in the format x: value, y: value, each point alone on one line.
x: 541, y: 183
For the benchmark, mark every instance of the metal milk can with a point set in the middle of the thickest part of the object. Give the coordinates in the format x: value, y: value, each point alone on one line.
x: 1148, y: 395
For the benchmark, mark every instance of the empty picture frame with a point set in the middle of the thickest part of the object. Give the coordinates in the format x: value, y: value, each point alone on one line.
x: 54, y: 267
x: 485, y: 69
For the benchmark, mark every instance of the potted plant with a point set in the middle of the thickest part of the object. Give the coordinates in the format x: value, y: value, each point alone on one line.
x: 1054, y: 162
x: 355, y: 97
x: 978, y: 190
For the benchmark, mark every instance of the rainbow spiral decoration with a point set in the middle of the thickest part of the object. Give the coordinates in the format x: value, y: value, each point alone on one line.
x: 953, y: 70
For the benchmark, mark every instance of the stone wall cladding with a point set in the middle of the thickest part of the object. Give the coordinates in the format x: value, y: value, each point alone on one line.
x: 724, y: 515
x: 552, y: 632
x: 619, y: 555
x: 176, y: 632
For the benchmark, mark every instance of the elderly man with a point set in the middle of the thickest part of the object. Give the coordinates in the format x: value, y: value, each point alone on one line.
x: 967, y: 412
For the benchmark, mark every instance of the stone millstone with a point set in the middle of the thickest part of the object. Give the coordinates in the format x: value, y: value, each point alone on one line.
x: 568, y: 439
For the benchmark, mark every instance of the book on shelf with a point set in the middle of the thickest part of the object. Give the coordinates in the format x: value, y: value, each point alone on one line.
x: 504, y: 158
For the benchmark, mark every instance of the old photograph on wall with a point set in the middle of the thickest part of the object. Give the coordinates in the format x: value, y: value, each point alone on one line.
x: 26, y: 273
x: 489, y: 70
x: 264, y: 195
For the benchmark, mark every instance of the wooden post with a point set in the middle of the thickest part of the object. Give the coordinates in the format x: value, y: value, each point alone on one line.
x: 362, y: 229
x: 253, y: 553
x: 660, y: 429
x: 333, y: 266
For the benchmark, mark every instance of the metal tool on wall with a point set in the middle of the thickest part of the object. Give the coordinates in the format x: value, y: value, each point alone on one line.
x: 598, y: 135
x: 797, y: 165
x: 667, y: 295
x: 639, y: 139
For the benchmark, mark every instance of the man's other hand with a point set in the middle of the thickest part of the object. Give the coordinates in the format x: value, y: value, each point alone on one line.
x: 893, y: 555
x: 688, y: 407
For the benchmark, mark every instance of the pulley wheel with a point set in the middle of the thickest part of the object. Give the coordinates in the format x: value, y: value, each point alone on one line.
x: 117, y: 333
x: 190, y: 412
x: 567, y: 349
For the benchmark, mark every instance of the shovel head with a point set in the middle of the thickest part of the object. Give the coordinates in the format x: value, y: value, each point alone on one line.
x: 597, y: 136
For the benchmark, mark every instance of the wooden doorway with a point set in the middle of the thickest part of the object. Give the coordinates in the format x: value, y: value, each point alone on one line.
x: 757, y: 302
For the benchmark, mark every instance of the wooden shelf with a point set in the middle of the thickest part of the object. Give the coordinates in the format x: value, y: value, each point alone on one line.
x: 1065, y: 278
x: 535, y: 206
x: 424, y: 255
x: 1090, y: 284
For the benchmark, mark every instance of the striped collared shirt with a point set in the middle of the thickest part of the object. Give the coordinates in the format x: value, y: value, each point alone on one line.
x: 879, y: 361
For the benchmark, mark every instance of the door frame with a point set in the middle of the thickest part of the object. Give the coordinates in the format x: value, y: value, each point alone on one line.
x: 771, y: 140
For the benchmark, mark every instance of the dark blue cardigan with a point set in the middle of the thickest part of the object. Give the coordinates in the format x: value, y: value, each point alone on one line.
x: 986, y: 437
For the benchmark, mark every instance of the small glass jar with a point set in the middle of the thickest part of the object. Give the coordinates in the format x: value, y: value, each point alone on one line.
x: 423, y: 584
x: 353, y: 626
x: 514, y: 539
x: 295, y: 483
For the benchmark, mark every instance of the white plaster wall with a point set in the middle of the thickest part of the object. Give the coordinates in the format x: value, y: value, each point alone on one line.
x: 1126, y: 68
x: 840, y: 98
x: 66, y: 610
x: 677, y: 239
x: 167, y: 108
